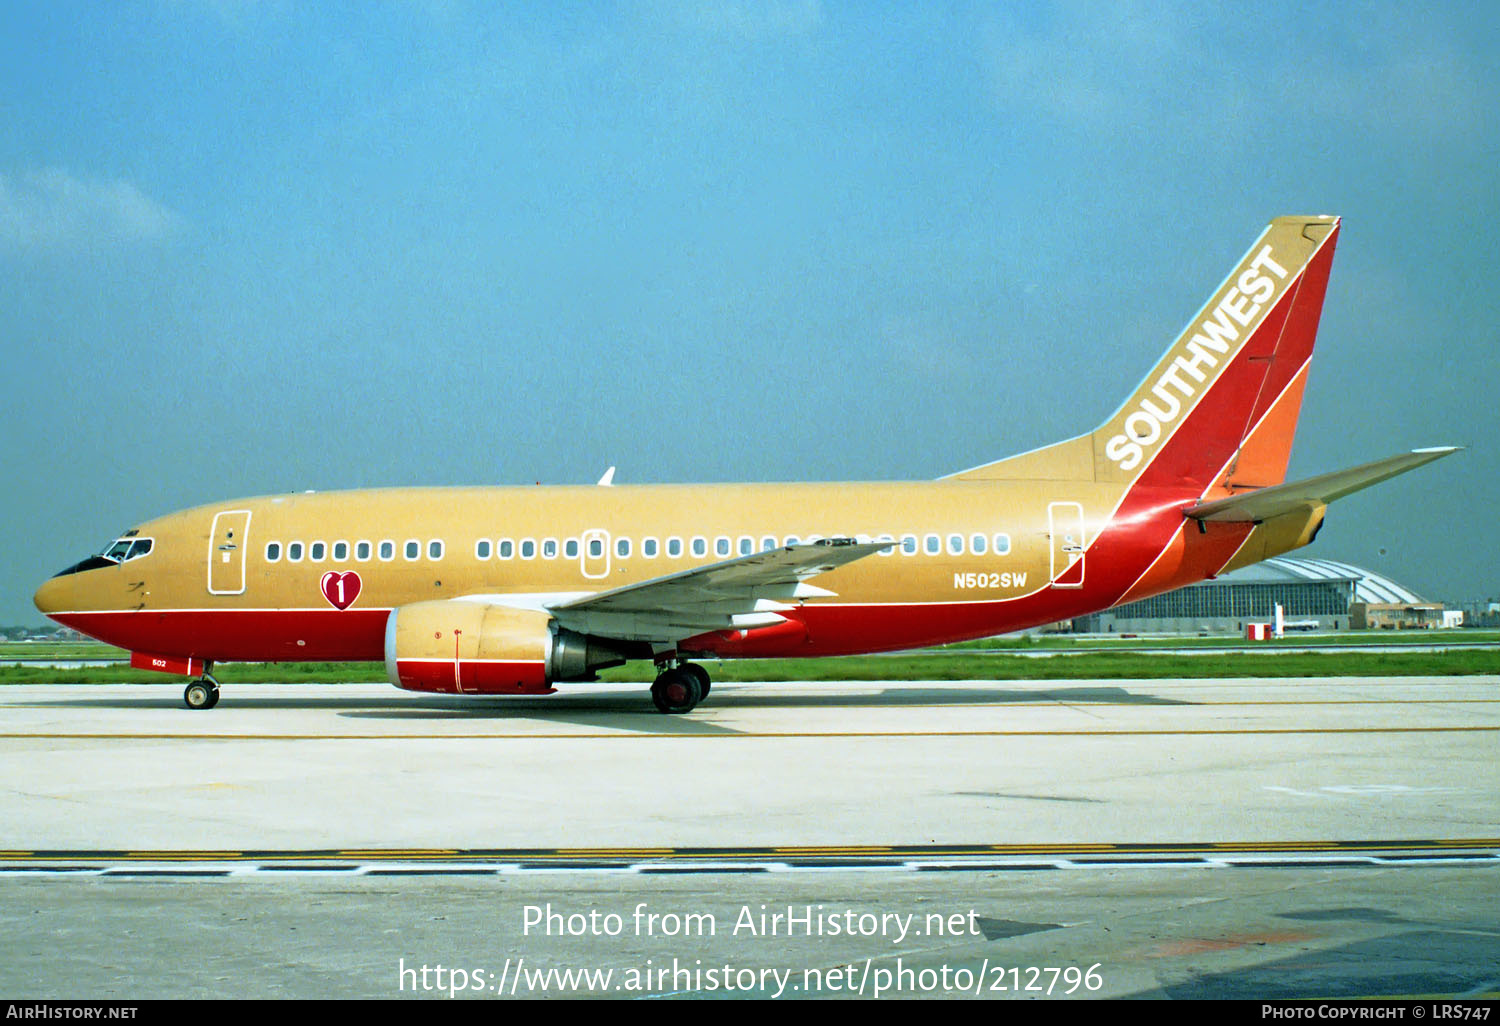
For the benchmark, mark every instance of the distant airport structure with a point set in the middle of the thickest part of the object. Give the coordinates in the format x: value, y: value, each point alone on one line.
x: 1314, y: 595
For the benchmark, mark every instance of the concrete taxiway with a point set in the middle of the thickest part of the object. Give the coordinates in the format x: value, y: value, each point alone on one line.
x: 1203, y: 838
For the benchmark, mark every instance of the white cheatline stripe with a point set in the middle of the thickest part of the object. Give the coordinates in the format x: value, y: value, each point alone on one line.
x: 988, y: 863
x: 230, y: 609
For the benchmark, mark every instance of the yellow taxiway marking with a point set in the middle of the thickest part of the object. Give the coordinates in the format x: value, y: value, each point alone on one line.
x: 752, y: 735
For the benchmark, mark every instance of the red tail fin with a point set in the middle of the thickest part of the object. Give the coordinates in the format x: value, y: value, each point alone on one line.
x: 1221, y: 406
x: 1219, y: 409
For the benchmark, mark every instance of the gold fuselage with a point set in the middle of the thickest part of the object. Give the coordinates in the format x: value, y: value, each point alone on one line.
x: 1000, y: 545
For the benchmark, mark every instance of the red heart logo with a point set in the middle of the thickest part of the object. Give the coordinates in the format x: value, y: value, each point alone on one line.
x: 341, y: 589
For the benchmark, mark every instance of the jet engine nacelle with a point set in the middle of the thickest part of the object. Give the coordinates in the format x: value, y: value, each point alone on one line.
x: 480, y: 649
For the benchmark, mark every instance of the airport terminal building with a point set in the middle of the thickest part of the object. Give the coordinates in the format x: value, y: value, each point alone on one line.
x: 1314, y: 594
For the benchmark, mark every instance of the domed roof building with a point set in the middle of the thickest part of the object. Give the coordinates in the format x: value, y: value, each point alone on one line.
x: 1314, y: 594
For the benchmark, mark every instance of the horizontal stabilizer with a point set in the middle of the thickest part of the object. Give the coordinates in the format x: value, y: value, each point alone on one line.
x: 1266, y: 503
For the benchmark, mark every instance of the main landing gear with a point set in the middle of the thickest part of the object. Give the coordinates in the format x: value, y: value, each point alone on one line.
x: 202, y: 693
x: 679, y: 688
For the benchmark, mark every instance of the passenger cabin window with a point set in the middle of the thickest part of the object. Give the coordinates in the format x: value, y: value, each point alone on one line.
x: 482, y: 549
x: 747, y: 546
x: 596, y: 548
x: 908, y: 545
x: 648, y: 548
x: 413, y: 549
x: 549, y: 548
x: 528, y: 548
x: 955, y: 545
x: 340, y: 551
x: 362, y: 551
x: 977, y: 544
x: 273, y: 551
x: 767, y: 543
x: 891, y: 541
x: 674, y: 548
x: 721, y: 546
x: 570, y: 548
x: 1002, y: 544
x: 622, y: 548
x: 387, y: 550
x: 700, y: 546
x: 434, y: 550
x: 317, y: 551
x: 294, y: 552
x: 507, y: 548
x: 933, y: 544
x: 789, y: 540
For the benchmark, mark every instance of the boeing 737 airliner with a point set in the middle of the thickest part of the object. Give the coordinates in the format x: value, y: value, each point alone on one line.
x: 484, y: 591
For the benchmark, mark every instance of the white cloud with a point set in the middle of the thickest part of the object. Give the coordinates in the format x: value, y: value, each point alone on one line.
x: 51, y: 209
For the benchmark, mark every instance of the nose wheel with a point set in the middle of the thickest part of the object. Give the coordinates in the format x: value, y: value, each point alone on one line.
x: 680, y: 689
x: 202, y: 693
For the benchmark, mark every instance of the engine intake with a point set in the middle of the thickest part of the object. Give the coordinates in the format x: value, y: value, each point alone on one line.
x: 480, y: 649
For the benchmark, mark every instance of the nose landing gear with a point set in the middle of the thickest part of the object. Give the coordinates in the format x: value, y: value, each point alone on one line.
x: 202, y: 693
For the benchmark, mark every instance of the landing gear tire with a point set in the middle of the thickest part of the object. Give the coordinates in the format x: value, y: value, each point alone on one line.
x: 201, y: 694
x: 676, y: 691
x: 703, y: 682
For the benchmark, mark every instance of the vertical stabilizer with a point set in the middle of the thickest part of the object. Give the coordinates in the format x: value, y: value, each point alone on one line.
x: 1219, y: 409
x: 1221, y: 405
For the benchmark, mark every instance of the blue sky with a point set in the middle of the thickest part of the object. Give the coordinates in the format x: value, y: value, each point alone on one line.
x: 249, y: 247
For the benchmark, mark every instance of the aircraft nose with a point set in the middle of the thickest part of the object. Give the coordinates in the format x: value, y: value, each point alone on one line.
x: 53, y: 595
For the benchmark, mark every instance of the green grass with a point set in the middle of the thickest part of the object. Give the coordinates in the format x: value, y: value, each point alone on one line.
x: 1022, y: 643
x: 949, y: 665
x: 60, y: 650
x: 1095, y: 666
x: 1342, y: 639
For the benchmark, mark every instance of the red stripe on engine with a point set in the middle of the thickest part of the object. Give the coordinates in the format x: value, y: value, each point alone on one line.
x: 473, y: 676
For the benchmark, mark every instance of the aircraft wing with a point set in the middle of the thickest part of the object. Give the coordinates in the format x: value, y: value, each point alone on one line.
x: 1265, y: 503
x: 737, y: 594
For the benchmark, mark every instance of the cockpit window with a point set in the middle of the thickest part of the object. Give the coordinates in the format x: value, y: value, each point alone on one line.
x: 127, y: 548
x: 122, y: 550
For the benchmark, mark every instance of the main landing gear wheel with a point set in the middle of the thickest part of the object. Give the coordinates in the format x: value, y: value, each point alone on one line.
x: 701, y: 674
x: 201, y: 694
x: 676, y: 691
